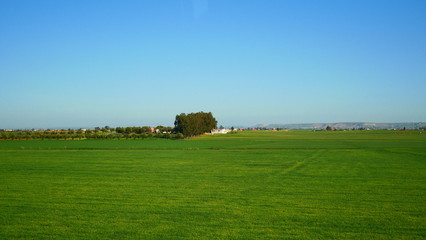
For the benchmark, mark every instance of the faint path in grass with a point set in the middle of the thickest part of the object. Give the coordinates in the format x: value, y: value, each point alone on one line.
x: 300, y: 163
x: 404, y: 151
x: 292, y: 168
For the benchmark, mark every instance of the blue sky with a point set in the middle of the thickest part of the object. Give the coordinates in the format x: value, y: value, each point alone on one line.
x: 136, y: 63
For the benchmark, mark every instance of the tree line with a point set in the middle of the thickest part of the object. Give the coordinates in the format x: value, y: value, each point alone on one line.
x: 81, y: 135
x: 186, y: 125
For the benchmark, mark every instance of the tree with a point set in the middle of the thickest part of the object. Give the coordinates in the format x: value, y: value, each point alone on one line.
x: 194, y: 124
x: 105, y: 129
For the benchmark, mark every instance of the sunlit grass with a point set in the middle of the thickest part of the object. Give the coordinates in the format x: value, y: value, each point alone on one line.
x: 264, y: 185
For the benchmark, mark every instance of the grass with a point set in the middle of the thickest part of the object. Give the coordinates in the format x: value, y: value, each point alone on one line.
x: 251, y: 185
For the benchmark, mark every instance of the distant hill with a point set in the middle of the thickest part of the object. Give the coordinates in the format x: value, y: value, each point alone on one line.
x: 347, y: 125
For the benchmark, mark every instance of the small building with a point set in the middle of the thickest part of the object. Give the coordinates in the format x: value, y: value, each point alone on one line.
x: 220, y: 131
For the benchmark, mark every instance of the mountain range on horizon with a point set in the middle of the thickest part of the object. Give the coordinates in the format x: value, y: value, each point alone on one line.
x: 346, y: 125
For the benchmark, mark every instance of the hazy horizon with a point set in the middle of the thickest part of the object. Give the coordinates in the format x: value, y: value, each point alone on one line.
x: 258, y: 125
x: 140, y: 63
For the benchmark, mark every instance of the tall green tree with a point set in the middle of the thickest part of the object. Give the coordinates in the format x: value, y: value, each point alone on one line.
x: 194, y: 124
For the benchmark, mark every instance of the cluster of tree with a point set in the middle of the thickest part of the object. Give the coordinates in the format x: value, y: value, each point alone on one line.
x: 186, y: 125
x: 119, y: 133
x: 26, y: 135
x: 194, y: 124
x: 140, y: 130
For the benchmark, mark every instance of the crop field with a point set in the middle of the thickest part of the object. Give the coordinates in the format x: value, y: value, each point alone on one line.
x: 249, y: 185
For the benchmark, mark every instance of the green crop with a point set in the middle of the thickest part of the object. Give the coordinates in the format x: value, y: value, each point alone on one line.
x: 249, y: 185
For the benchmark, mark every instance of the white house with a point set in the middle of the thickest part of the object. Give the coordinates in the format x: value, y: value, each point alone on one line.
x: 220, y: 131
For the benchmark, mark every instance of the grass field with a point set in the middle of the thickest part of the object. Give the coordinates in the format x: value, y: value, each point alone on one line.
x: 250, y: 185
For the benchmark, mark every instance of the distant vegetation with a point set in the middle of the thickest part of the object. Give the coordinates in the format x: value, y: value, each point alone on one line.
x: 98, y: 133
x: 349, y: 126
x: 186, y: 125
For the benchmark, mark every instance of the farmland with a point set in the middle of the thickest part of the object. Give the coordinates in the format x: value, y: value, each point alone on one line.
x: 249, y: 185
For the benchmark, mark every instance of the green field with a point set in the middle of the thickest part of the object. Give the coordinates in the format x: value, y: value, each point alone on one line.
x: 249, y: 185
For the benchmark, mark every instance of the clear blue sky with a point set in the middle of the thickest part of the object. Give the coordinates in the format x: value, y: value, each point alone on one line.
x: 135, y: 63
